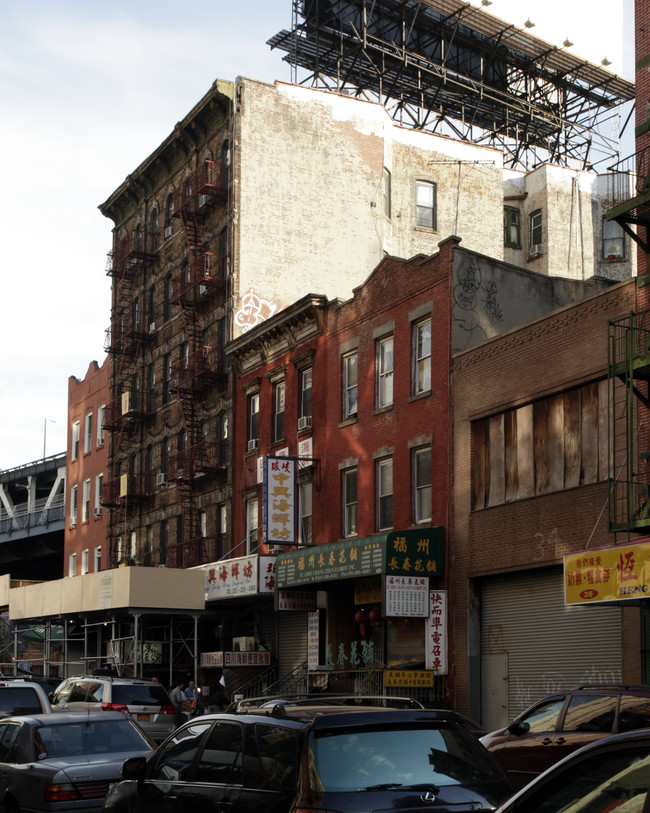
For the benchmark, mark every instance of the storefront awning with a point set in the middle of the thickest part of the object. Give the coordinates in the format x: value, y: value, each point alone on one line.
x: 415, y: 552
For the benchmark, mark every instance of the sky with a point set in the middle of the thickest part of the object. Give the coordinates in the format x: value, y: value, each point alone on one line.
x: 88, y: 89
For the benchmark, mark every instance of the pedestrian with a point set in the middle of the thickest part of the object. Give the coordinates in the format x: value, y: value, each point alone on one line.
x: 194, y: 696
x: 177, y: 699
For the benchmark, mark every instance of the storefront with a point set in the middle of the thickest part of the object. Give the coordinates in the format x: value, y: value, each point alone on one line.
x: 377, y: 622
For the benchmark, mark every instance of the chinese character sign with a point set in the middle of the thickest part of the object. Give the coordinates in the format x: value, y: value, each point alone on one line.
x: 232, y: 577
x: 406, y: 596
x: 607, y: 574
x: 436, y: 639
x: 279, y: 501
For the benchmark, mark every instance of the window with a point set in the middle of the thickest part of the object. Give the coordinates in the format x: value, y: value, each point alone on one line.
x: 305, y: 393
x: 167, y: 298
x: 425, y: 204
x: 176, y: 758
x: 384, y: 494
x: 511, y: 227
x: 151, y: 387
x: 350, y: 364
x: 72, y: 564
x: 422, y: 357
x: 151, y: 307
x: 222, y: 256
x: 222, y: 438
x: 422, y: 485
x: 153, y: 231
x: 164, y: 541
x: 278, y: 411
x: 99, y: 479
x: 88, y: 433
x: 73, y: 505
x: 253, y: 420
x: 169, y: 215
x: 384, y: 362
x: 164, y: 456
x: 167, y: 374
x: 304, y: 508
x: 251, y: 525
x: 148, y: 547
x: 349, y: 501
x: 101, y: 411
x: 133, y: 545
x: 221, y: 530
x: 535, y: 233
x: 85, y: 501
x: 386, y: 190
x: 75, y: 439
x: 84, y: 561
x: 613, y: 240
x: 98, y: 558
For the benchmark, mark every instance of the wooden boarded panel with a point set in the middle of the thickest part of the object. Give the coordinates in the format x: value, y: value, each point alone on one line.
x: 572, y: 438
x: 480, y: 463
x: 497, y: 487
x: 555, y: 441
x: 590, y: 434
x: 540, y: 429
x: 525, y: 452
x: 510, y: 440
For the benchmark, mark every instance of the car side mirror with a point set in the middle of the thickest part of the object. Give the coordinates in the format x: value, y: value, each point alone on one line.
x: 519, y: 727
x: 134, y: 768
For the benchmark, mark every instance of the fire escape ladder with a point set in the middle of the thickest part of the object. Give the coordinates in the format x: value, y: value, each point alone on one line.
x: 190, y: 552
x: 192, y: 231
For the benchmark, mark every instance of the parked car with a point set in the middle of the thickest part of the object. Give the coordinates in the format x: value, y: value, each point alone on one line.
x: 145, y: 701
x: 321, y: 757
x: 561, y: 723
x: 64, y: 762
x: 612, y: 774
x: 22, y: 697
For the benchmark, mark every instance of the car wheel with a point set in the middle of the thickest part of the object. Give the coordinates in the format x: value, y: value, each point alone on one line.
x: 11, y: 805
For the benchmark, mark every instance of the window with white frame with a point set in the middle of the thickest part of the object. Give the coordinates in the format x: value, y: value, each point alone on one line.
x: 148, y: 546
x: 422, y: 356
x: 73, y: 504
x: 535, y: 233
x: 350, y: 372
x: 99, y: 480
x: 101, y: 411
x: 253, y: 419
x: 384, y: 367
x: 98, y: 558
x: 278, y: 410
x: 422, y: 485
x: 384, y: 493
x: 76, y: 428
x: 304, y: 508
x: 72, y: 564
x: 133, y: 545
x: 88, y: 433
x: 84, y: 561
x: 425, y: 204
x: 613, y: 240
x: 117, y: 551
x: 305, y: 393
x: 85, y: 500
x: 252, y: 525
x: 349, y: 501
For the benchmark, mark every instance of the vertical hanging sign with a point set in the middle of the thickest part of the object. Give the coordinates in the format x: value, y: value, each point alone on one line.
x: 437, y: 640
x: 279, y: 503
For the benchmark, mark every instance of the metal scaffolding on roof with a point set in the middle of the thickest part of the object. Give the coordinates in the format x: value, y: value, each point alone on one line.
x: 447, y: 67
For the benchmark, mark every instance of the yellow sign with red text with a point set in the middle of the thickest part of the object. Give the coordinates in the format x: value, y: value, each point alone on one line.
x: 408, y: 678
x: 619, y: 573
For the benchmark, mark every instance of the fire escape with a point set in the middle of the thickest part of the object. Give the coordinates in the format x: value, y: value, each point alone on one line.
x: 129, y: 407
x: 201, y: 367
x: 629, y: 410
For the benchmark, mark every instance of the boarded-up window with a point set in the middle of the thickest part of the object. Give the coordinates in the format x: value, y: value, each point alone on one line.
x: 553, y: 444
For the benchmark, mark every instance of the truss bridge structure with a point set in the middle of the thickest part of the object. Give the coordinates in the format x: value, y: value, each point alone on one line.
x: 449, y: 67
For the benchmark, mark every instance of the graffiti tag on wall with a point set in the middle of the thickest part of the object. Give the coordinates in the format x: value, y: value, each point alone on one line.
x: 254, y: 309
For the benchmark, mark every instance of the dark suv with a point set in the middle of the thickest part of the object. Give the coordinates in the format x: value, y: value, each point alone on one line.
x: 318, y: 757
x: 563, y: 722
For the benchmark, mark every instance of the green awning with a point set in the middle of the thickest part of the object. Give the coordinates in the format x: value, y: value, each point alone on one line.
x: 36, y: 634
x: 415, y: 552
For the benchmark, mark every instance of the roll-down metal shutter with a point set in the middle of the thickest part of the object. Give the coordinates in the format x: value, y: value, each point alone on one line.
x: 292, y: 649
x: 532, y: 644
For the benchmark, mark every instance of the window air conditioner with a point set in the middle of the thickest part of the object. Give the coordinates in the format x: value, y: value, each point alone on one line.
x: 245, y: 643
x: 152, y: 327
x: 252, y: 445
x: 536, y: 249
x: 304, y: 422
x: 204, y: 200
x: 169, y: 231
x: 161, y: 479
x: 97, y: 512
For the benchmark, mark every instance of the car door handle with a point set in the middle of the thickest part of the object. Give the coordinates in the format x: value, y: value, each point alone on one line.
x: 547, y: 741
x: 560, y: 741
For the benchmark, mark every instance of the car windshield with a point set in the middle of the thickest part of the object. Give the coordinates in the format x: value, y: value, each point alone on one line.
x: 602, y: 781
x: 19, y: 700
x: 87, y: 737
x: 139, y: 695
x: 399, y: 756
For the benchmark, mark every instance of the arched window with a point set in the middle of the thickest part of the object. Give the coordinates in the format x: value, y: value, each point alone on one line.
x: 153, y: 230
x: 169, y: 215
